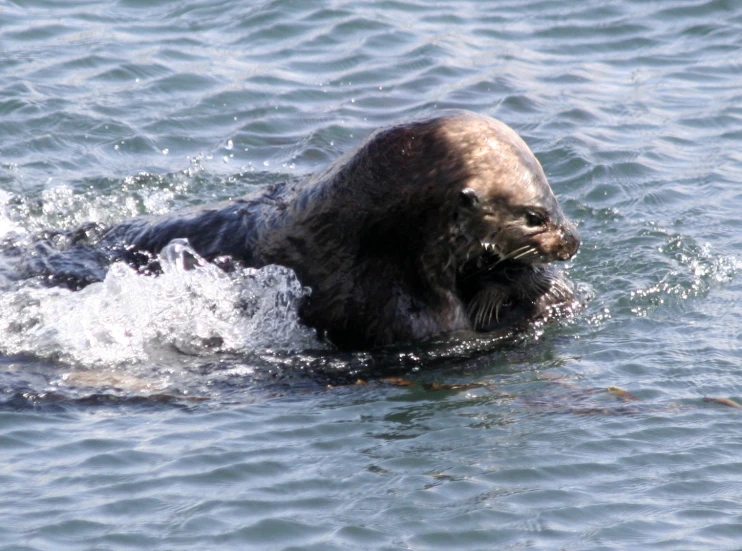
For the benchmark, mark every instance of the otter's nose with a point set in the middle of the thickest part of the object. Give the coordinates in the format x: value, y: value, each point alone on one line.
x: 570, y: 242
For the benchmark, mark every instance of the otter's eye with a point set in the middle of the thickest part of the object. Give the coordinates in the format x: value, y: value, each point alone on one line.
x: 535, y: 219
x: 469, y: 199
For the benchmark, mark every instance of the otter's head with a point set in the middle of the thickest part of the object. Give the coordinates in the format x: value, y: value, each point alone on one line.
x: 505, y: 205
x: 508, y: 225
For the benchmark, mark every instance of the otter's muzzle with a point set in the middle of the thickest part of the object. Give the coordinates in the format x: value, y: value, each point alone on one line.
x: 570, y: 241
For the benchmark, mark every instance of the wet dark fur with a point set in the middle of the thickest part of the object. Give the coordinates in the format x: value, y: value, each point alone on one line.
x: 390, y: 237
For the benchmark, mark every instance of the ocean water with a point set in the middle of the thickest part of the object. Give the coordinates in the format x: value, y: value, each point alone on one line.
x: 165, y: 414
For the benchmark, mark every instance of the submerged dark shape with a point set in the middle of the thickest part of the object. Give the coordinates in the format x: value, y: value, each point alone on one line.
x: 426, y: 228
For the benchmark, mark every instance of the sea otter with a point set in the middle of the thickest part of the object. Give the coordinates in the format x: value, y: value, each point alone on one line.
x: 426, y: 228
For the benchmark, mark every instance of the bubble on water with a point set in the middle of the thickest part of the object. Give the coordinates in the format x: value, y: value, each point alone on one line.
x: 165, y: 151
x: 230, y: 144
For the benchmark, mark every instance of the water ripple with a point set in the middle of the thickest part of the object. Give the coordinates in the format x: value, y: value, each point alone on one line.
x: 591, y: 434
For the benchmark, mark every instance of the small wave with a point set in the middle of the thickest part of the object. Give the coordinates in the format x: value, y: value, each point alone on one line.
x: 697, y: 270
x: 192, y: 308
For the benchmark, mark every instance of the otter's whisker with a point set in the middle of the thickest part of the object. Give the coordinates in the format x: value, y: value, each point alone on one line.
x: 490, y: 311
x: 524, y: 253
x: 475, y: 311
x: 510, y: 256
x: 514, y: 252
x: 482, y: 316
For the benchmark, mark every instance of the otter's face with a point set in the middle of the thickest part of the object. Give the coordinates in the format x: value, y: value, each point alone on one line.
x: 506, y: 206
x: 503, y: 277
x: 534, y: 232
x: 507, y: 224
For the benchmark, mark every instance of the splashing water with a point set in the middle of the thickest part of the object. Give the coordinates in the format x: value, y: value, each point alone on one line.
x: 694, y: 270
x: 192, y: 308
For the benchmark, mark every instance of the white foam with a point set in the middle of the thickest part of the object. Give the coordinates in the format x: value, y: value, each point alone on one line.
x: 192, y: 308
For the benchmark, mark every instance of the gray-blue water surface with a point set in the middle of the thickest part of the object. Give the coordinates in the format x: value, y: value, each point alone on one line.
x: 148, y: 413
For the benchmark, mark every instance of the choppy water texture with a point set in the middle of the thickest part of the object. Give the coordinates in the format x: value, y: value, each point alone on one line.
x: 192, y: 411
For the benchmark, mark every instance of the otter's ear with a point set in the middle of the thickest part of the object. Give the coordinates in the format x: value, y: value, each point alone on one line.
x: 469, y: 199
